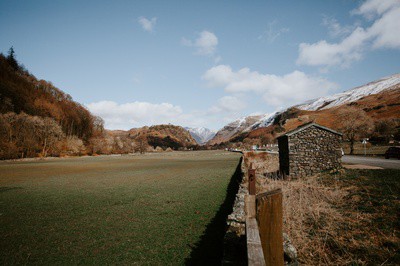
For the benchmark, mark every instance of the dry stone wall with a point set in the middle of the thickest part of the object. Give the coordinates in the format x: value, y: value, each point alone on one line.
x: 313, y: 150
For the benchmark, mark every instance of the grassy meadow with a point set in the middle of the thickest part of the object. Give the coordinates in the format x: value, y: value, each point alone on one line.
x: 166, y: 208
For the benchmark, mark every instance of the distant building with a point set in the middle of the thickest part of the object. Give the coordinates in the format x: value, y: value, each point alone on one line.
x: 309, y: 149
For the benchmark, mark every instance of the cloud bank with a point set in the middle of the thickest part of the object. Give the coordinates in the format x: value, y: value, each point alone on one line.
x: 275, y: 90
x: 137, y: 114
x: 383, y: 33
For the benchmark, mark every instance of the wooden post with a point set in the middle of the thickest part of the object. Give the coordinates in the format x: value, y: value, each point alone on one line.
x: 270, y: 222
x: 250, y: 206
x: 255, y: 256
x: 252, y: 180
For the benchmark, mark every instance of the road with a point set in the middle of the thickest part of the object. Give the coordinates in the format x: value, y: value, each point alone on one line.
x: 372, y: 161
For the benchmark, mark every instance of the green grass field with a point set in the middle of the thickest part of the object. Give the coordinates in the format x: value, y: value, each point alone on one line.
x: 167, y: 208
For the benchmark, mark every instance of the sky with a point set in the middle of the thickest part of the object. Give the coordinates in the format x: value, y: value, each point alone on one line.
x: 201, y: 63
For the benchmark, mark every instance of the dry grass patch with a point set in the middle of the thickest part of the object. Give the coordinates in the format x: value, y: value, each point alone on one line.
x: 342, y: 219
x: 263, y: 162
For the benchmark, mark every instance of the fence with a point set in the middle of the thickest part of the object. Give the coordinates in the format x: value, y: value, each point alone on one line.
x: 263, y: 225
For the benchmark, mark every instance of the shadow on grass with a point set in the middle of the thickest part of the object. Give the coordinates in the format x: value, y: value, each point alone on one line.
x: 209, y: 249
x: 4, y: 189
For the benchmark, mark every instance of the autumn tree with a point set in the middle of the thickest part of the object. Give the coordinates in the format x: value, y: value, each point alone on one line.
x: 354, y: 123
x: 141, y: 143
x: 267, y: 139
x: 386, y: 128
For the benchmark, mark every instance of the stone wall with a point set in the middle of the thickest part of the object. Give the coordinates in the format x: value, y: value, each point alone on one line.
x: 313, y: 150
x: 235, y: 250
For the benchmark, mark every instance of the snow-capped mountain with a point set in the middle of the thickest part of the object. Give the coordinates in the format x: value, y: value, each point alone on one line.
x: 234, y: 127
x: 350, y: 95
x: 264, y: 121
x: 385, y: 84
x: 201, y: 134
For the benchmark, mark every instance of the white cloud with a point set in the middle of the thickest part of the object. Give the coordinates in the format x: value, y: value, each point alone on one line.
x: 137, y: 114
x: 205, y: 44
x: 383, y: 33
x: 228, y: 104
x: 371, y: 8
x: 334, y: 27
x: 272, y: 33
x: 147, y: 25
x: 275, y: 90
x: 231, y: 103
x: 331, y: 54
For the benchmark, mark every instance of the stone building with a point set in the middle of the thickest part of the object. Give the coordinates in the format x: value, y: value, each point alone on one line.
x: 309, y: 149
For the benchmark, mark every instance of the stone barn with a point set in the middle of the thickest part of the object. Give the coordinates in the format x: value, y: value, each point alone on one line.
x: 309, y: 149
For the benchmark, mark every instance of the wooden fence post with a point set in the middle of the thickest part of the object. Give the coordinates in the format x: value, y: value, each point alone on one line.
x: 252, y: 180
x: 270, y: 222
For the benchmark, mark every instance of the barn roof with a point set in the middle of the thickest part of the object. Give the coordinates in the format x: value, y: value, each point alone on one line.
x: 305, y: 126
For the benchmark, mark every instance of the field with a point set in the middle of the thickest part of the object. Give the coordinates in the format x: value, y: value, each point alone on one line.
x: 167, y: 208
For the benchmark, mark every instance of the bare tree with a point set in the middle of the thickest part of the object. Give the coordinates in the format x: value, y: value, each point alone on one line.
x: 48, y: 132
x: 354, y: 124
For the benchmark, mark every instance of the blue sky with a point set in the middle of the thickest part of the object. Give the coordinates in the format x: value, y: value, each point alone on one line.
x: 201, y: 63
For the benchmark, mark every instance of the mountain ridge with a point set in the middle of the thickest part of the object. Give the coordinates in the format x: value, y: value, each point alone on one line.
x: 320, y: 104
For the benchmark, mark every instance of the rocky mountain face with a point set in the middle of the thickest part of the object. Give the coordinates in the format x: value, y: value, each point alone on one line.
x: 201, y: 134
x: 380, y: 99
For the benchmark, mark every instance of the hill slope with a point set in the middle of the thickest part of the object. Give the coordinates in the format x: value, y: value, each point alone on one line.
x: 352, y: 95
x: 38, y: 119
x: 20, y: 91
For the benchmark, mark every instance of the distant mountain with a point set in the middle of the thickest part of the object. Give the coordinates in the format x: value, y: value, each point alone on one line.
x: 380, y: 99
x: 201, y: 134
x: 234, y: 128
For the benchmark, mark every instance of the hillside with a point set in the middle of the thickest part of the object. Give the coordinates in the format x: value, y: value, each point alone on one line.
x: 379, y: 99
x: 164, y: 136
x: 20, y: 91
x: 352, y: 95
x: 38, y: 119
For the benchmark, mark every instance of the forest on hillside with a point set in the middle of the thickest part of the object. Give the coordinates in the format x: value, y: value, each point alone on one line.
x: 38, y: 119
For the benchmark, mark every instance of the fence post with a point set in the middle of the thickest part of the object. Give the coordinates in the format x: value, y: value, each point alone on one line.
x: 252, y: 180
x: 270, y: 221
